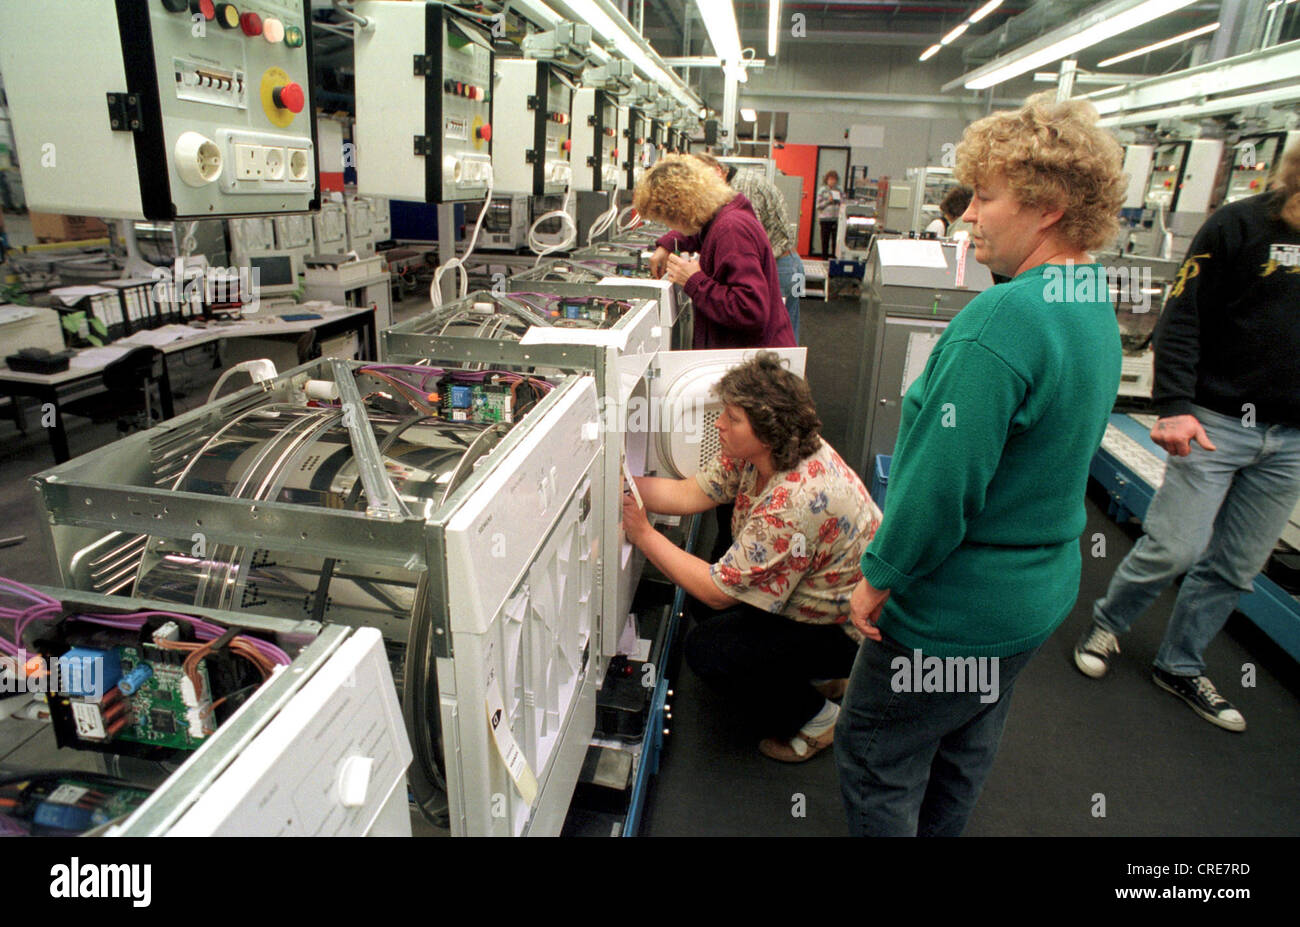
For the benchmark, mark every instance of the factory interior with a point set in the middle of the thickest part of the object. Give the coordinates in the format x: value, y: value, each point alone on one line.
x: 334, y: 347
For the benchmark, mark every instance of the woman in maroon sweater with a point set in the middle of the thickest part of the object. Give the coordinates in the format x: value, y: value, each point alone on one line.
x: 733, y: 284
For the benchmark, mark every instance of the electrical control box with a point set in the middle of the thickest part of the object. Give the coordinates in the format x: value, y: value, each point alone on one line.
x: 595, y: 141
x: 162, y: 110
x: 424, y: 103
x: 1166, y: 178
x: 1204, y: 156
x: 295, y: 234
x: 330, y: 226
x: 1137, y: 168
x: 505, y: 227
x: 534, y: 111
x: 658, y: 139
x: 636, y: 137
x: 368, y: 222
x: 249, y: 237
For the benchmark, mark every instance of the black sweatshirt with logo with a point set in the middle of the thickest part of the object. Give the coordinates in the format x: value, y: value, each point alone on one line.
x: 1229, y: 336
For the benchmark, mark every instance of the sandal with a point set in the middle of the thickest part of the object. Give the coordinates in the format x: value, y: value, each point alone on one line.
x: 798, y: 749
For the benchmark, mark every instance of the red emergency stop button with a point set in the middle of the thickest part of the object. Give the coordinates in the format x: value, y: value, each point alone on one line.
x: 251, y: 23
x: 289, y: 97
x: 484, y: 132
x: 206, y: 8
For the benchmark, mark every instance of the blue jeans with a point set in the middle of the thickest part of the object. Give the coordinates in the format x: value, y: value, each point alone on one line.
x: 1216, y: 517
x: 913, y: 763
x: 786, y: 267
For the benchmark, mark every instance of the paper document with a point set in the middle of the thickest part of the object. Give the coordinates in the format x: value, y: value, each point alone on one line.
x: 91, y: 358
x: 906, y: 252
x: 157, y: 337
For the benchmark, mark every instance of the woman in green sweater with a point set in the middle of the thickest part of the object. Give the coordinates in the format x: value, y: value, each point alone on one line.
x: 977, y: 558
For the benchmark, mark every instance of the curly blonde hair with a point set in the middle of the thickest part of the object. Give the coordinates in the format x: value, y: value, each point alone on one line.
x: 682, y: 192
x: 1053, y: 155
x: 1287, y: 185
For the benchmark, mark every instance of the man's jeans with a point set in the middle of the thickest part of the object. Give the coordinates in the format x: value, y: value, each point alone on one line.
x: 787, y: 266
x: 913, y: 763
x: 1216, y: 517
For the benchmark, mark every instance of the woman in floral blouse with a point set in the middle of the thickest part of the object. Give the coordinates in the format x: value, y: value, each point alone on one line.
x: 775, y: 633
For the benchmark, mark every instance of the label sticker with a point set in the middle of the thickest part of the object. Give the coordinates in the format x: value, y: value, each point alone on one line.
x: 89, y: 721
x: 67, y: 795
x: 511, y: 755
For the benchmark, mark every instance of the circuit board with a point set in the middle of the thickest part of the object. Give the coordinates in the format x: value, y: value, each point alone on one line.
x: 66, y: 805
x: 162, y: 716
x: 485, y: 403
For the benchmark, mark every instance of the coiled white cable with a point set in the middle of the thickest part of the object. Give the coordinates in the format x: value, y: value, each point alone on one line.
x: 537, y: 246
x: 458, y: 263
x: 631, y: 223
x: 606, y: 218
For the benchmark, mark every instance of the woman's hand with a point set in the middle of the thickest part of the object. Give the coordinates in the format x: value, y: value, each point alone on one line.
x: 658, y: 261
x: 636, y: 525
x: 680, y: 270
x: 865, y: 607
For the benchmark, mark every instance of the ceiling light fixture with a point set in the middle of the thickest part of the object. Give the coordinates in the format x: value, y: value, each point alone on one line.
x: 985, y: 10
x: 1156, y: 46
x: 930, y: 52
x: 1103, y: 23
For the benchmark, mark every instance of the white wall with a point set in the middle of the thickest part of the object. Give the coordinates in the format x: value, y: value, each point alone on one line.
x: 915, y: 130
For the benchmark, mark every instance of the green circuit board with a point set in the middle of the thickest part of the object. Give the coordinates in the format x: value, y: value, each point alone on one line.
x: 161, y: 716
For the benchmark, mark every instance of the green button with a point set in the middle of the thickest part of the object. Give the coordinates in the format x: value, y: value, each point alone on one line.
x: 293, y: 37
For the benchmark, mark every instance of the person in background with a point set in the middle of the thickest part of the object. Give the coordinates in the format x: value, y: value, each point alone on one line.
x: 769, y: 206
x: 952, y: 207
x: 772, y: 628
x: 1227, y: 389
x: 977, y: 557
x: 733, y: 284
x: 828, y: 211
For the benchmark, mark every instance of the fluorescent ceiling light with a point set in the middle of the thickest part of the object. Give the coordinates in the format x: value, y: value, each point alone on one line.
x: 1105, y: 90
x: 955, y: 34
x: 929, y: 52
x: 749, y: 115
x: 773, y: 21
x: 720, y: 20
x: 985, y: 10
x: 1204, y: 30
x: 1106, y: 22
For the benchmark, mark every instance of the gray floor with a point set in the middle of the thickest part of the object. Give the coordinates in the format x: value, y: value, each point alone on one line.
x: 1162, y: 770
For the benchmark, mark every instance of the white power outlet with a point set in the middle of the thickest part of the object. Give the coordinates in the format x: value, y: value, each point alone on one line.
x: 275, y: 162
x: 250, y: 162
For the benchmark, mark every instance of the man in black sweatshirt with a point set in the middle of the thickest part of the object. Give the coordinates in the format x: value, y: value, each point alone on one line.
x: 1227, y: 388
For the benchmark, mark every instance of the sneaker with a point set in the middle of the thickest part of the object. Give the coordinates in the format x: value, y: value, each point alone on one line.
x: 798, y: 749
x: 1092, y: 653
x: 1205, y: 700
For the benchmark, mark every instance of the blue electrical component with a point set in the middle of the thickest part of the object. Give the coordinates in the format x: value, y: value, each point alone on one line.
x: 87, y: 673
x: 62, y: 817
x: 461, y: 397
x: 572, y: 312
x: 135, y: 679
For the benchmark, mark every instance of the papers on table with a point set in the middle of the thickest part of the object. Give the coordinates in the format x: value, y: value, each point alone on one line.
x: 98, y: 357
x: 157, y: 337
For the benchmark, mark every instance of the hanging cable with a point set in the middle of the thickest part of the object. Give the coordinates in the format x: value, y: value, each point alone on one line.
x: 607, y: 218
x: 566, y: 218
x: 458, y: 263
